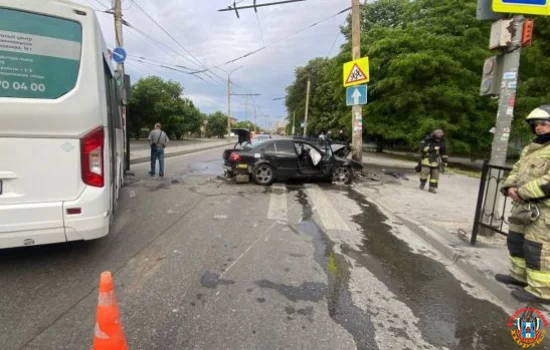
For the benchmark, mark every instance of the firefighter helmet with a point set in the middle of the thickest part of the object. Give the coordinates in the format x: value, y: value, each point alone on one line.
x: 438, y: 134
x: 539, y: 113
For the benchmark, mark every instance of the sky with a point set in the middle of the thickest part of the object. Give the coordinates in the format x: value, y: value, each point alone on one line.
x: 204, y: 37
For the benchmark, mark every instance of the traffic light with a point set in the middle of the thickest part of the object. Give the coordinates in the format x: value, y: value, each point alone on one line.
x: 492, y: 76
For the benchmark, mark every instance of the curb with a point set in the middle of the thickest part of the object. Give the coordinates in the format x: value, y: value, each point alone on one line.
x: 435, y: 236
x: 175, y: 154
x: 436, y: 240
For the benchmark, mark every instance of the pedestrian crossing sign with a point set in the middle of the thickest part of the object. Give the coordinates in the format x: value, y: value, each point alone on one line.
x: 356, y: 72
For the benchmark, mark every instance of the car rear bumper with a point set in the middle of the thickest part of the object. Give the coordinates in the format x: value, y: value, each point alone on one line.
x: 237, y: 168
x: 47, y: 223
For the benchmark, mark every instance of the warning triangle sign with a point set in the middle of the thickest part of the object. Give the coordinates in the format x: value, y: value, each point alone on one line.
x: 356, y: 75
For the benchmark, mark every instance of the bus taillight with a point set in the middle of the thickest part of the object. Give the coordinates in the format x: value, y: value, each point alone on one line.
x: 91, y: 157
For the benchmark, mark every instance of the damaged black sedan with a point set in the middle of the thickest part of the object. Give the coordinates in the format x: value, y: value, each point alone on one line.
x: 285, y: 159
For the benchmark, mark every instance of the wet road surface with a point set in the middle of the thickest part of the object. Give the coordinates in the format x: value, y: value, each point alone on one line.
x: 203, y: 264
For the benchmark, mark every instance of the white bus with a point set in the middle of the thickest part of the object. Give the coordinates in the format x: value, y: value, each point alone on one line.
x: 61, y: 130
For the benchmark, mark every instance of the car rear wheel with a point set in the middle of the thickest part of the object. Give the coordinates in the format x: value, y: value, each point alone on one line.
x: 264, y: 174
x: 342, y: 175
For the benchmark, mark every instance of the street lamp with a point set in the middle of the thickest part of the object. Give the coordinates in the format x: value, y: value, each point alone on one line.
x: 229, y: 99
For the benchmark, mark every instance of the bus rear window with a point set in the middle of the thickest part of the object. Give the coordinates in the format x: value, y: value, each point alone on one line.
x: 39, y: 55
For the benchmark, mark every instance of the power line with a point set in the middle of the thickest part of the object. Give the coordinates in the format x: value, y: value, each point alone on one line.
x: 166, y: 49
x: 261, y: 30
x: 255, y: 6
x: 101, y: 3
x: 335, y: 40
x: 160, y: 65
x: 162, y: 46
x: 277, y: 41
x: 156, y: 71
x: 175, y: 40
x: 221, y: 81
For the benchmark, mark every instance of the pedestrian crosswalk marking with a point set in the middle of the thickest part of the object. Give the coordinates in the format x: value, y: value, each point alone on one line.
x: 277, y: 203
x: 328, y: 214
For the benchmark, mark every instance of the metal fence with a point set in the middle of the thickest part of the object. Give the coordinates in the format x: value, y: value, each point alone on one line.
x: 491, y: 205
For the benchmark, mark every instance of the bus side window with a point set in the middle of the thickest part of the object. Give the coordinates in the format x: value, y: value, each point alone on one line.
x: 117, y: 103
x: 108, y: 91
x: 113, y: 98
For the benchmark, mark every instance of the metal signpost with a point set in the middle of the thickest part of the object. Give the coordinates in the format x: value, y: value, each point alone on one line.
x: 501, y: 73
x: 356, y: 73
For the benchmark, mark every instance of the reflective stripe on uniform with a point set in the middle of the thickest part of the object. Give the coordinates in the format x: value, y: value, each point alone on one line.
x: 534, y: 189
x: 427, y: 162
x: 539, y: 283
x: 517, y: 268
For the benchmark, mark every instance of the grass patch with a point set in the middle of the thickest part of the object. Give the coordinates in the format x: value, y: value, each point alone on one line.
x: 469, y: 173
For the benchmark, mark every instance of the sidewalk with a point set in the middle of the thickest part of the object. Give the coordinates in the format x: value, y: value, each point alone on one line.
x: 140, y: 151
x: 444, y: 219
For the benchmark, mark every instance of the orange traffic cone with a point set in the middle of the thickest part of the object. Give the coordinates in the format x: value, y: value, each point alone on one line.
x: 108, y: 333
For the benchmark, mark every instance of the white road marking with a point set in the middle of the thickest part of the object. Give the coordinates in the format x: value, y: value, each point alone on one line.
x: 277, y: 203
x: 329, y: 216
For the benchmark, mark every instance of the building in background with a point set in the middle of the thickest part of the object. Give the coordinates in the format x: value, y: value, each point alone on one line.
x: 279, y: 127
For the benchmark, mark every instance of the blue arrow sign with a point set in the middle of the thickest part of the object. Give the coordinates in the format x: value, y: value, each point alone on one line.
x: 356, y: 95
x: 119, y: 55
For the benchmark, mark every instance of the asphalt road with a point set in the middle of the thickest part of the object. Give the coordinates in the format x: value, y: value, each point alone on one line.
x: 200, y: 263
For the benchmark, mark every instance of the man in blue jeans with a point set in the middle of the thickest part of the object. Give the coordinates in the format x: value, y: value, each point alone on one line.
x: 158, y: 141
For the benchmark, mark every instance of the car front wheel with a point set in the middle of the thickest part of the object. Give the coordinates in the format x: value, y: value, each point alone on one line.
x: 264, y: 174
x: 342, y: 175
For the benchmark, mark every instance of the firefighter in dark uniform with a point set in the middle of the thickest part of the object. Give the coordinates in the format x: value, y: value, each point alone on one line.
x: 433, y: 152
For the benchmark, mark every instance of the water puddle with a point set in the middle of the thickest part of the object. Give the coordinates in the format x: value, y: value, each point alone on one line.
x: 448, y: 316
x: 340, y: 305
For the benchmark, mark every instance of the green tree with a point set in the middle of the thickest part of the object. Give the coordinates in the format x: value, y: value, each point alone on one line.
x: 425, y: 68
x: 245, y: 124
x: 155, y: 100
x: 175, y: 125
x: 217, y: 125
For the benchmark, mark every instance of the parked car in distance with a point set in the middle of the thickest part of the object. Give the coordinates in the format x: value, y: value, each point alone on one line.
x: 260, y: 137
x: 283, y: 159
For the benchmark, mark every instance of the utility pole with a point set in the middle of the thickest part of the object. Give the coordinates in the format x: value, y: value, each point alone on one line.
x: 120, y: 69
x: 307, y: 102
x: 229, y: 107
x: 255, y: 125
x: 265, y: 120
x: 246, y: 114
x: 246, y: 107
x: 229, y: 100
x: 505, y: 115
x: 356, y: 110
x: 294, y: 123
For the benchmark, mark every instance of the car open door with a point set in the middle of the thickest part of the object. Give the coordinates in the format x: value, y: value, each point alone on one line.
x: 310, y: 159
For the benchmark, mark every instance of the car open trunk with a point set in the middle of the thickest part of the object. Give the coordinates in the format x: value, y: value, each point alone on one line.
x: 244, y: 137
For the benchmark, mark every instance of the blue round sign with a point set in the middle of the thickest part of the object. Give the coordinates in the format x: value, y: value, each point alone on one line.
x: 119, y: 55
